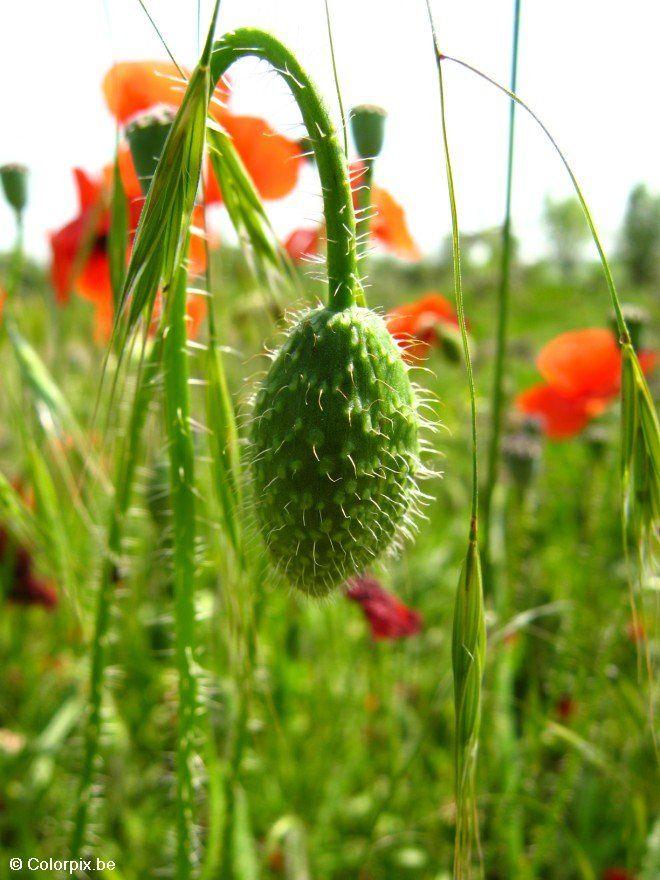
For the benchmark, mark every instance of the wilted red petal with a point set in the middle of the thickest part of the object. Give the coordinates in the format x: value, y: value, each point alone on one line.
x: 582, y: 363
x: 388, y: 617
x: 303, y: 243
x: 560, y: 416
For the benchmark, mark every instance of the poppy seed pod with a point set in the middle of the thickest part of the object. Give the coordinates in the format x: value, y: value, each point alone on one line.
x: 146, y: 137
x: 14, y: 184
x: 368, y: 129
x: 335, y: 448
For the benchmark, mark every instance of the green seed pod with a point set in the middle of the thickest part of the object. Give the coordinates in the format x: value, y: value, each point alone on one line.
x: 335, y: 448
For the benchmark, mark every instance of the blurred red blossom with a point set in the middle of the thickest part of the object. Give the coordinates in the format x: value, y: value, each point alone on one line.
x: 23, y: 586
x: 617, y: 874
x: 80, y: 261
x: 582, y: 373
x: 272, y: 160
x: 387, y: 616
x: 415, y: 325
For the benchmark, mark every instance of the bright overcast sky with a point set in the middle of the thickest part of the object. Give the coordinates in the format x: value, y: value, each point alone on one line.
x: 589, y: 68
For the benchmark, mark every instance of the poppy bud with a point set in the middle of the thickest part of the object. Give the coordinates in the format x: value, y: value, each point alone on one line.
x: 522, y: 452
x: 368, y: 128
x: 146, y: 138
x: 14, y: 184
x: 637, y: 320
x: 335, y: 448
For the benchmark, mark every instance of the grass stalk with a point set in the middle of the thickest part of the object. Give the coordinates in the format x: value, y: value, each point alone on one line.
x: 497, y: 400
x: 469, y: 634
x: 181, y: 456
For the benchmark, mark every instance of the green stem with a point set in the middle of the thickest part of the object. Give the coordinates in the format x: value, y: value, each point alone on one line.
x: 624, y: 333
x: 458, y: 289
x: 502, y: 316
x: 364, y: 203
x: 330, y: 158
x: 181, y: 454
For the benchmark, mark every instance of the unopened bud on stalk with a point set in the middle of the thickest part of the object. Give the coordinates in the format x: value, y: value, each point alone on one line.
x: 14, y: 184
x: 522, y: 453
x: 597, y: 439
x: 368, y: 128
x: 637, y: 320
x: 146, y: 138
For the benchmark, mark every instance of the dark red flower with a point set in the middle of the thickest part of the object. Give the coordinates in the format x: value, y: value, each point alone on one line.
x: 388, y: 617
x: 617, y: 874
x: 24, y: 587
x: 566, y: 707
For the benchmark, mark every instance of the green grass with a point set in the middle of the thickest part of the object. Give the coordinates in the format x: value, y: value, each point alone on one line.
x: 308, y: 717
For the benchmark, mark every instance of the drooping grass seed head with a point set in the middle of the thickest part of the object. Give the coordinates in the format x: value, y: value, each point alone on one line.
x: 335, y: 442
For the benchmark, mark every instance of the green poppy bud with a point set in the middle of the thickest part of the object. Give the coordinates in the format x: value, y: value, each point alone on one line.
x: 146, y: 138
x: 368, y: 128
x: 335, y: 448
x: 14, y: 184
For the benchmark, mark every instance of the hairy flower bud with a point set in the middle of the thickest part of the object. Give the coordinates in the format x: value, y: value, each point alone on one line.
x: 335, y: 448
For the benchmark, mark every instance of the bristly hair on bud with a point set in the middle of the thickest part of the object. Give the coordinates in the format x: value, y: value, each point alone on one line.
x: 14, y: 185
x: 368, y: 130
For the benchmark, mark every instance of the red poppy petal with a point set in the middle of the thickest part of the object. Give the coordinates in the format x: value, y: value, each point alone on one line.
x: 561, y: 417
x: 582, y: 362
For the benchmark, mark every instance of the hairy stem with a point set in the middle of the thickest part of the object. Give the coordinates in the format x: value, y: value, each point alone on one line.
x: 330, y: 158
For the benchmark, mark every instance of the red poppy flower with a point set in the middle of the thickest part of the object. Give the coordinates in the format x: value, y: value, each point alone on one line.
x: 582, y: 369
x: 272, y: 160
x: 388, y: 617
x: 582, y: 363
x: 414, y: 325
x: 80, y: 248
x: 560, y: 416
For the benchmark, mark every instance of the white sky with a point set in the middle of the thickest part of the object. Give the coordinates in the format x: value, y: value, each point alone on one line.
x: 589, y: 68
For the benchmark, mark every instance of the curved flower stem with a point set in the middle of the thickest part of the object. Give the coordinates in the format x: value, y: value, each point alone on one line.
x: 620, y: 320
x: 330, y: 158
x: 502, y: 317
